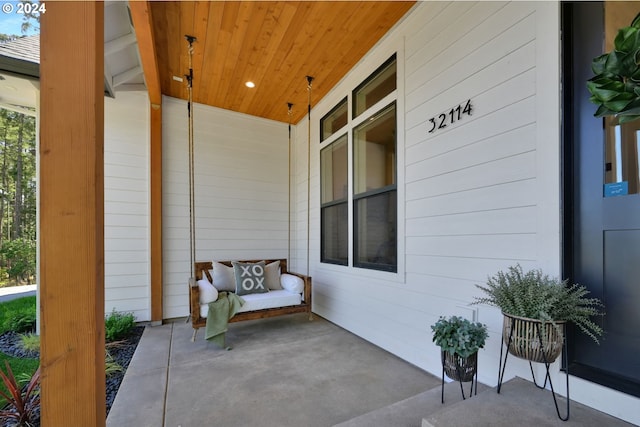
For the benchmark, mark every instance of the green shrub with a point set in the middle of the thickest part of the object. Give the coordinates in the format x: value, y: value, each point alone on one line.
x: 118, y: 325
x: 19, y: 307
x: 22, y: 322
x: 20, y: 257
x: 30, y: 342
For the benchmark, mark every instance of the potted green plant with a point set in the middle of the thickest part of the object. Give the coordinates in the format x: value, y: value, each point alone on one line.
x: 459, y: 340
x: 535, y: 307
x: 615, y: 88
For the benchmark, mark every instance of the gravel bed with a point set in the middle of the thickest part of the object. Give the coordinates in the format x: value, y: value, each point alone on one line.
x: 122, y: 353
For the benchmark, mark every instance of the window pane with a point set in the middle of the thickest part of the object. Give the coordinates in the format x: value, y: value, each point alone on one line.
x: 334, y: 171
x: 621, y: 175
x: 375, y: 241
x: 335, y: 233
x: 374, y: 152
x: 378, y: 85
x: 335, y: 120
x: 622, y: 142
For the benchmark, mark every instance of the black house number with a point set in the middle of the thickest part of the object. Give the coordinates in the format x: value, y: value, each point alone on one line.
x: 445, y: 119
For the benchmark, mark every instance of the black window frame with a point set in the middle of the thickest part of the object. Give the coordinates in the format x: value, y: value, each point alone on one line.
x: 368, y: 80
x: 324, y: 206
x: 356, y: 197
x: 352, y: 200
x: 339, y: 105
x: 365, y: 196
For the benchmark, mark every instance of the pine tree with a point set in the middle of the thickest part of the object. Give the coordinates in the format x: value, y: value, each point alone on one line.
x: 17, y: 195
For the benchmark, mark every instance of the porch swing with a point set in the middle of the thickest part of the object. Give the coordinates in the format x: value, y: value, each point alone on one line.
x: 292, y: 293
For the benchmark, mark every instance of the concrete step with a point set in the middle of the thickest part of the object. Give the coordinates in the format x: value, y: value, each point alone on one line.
x: 411, y: 411
x: 521, y: 403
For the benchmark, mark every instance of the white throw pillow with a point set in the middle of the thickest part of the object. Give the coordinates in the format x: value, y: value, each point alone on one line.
x: 223, y: 277
x: 208, y: 293
x: 292, y: 283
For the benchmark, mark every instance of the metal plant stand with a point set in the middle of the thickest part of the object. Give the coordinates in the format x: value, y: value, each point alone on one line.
x: 542, y: 356
x: 460, y: 369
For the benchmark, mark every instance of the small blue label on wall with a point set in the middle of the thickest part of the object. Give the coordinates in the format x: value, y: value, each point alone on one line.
x: 616, y: 189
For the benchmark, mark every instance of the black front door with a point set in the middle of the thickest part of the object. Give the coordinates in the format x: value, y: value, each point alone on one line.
x: 602, y: 203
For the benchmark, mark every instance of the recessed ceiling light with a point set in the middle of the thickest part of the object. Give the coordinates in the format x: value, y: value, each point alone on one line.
x: 250, y: 84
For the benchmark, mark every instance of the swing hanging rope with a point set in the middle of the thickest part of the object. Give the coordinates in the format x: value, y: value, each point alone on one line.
x: 192, y: 212
x: 289, y: 105
x: 309, y: 80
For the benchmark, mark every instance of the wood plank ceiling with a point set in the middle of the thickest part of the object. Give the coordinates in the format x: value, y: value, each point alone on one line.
x: 275, y: 44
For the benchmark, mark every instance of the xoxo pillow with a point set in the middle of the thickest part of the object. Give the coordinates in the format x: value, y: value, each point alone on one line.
x: 250, y: 278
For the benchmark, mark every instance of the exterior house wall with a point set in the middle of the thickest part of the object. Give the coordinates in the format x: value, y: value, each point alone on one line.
x: 300, y: 188
x: 241, y: 192
x: 470, y: 205
x: 473, y: 198
x: 126, y: 205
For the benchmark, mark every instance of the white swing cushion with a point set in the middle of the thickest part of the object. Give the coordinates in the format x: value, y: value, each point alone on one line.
x: 271, y: 299
x: 292, y: 283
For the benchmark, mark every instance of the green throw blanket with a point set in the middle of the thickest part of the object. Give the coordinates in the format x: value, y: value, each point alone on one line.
x: 220, y: 311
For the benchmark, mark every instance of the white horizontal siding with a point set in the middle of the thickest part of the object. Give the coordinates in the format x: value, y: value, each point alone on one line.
x: 126, y: 206
x: 493, y: 198
x: 241, y: 192
x: 491, y: 118
x: 493, y: 246
x: 494, y: 221
x: 477, y: 196
x: 514, y: 168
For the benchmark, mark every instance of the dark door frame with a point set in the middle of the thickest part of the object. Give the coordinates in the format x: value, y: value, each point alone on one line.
x: 590, y: 17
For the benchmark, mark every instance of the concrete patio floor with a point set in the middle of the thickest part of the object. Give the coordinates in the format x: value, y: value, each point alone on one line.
x: 288, y: 371
x: 285, y: 371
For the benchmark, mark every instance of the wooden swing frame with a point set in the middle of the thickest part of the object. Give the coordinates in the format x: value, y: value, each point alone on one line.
x: 205, y: 267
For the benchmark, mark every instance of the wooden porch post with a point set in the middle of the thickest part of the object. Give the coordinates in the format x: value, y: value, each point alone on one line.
x: 156, y: 213
x: 143, y: 23
x: 72, y: 214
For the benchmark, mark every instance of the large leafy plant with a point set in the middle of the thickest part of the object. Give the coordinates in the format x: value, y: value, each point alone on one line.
x: 457, y: 335
x: 538, y: 296
x: 615, y: 88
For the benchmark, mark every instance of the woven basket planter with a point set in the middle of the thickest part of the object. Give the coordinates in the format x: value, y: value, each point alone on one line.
x: 459, y: 368
x: 526, y: 342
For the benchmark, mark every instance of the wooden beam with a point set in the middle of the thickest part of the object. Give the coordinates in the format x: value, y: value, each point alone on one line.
x: 156, y: 213
x: 143, y: 24
x: 72, y: 215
